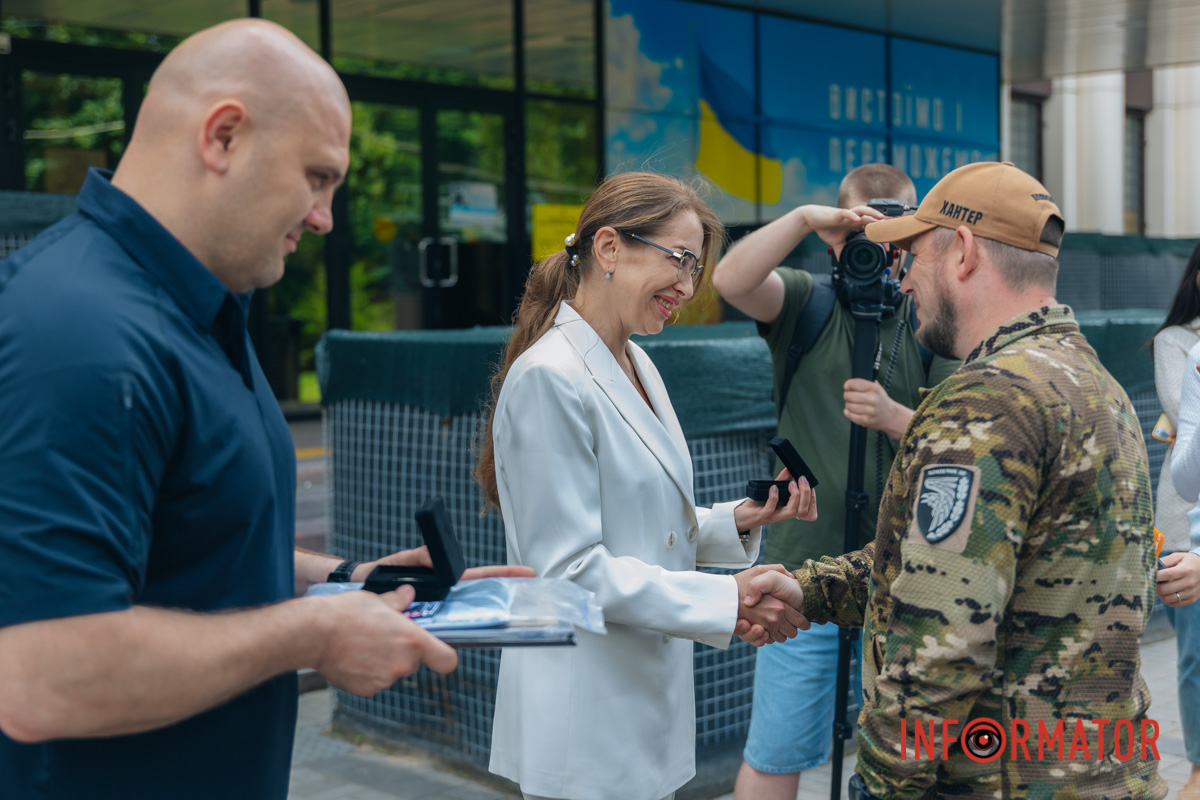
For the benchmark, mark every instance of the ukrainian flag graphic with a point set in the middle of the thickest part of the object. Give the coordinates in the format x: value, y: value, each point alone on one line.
x: 726, y: 153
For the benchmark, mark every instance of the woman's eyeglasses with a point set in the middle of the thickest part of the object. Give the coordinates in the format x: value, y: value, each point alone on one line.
x: 689, y: 263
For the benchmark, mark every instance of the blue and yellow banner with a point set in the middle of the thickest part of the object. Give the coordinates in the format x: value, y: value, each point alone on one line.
x: 727, y: 151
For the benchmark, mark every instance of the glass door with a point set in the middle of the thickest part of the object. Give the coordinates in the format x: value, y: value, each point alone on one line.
x: 385, y: 203
x: 427, y: 214
x: 466, y: 257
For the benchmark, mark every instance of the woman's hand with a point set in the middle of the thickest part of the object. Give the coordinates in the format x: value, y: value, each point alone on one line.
x: 1179, y: 584
x: 801, y: 504
x: 764, y: 618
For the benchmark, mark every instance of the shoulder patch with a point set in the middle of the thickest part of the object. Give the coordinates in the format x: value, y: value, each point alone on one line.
x: 945, y: 506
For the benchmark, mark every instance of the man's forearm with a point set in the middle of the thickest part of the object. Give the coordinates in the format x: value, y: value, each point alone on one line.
x: 752, y: 258
x: 134, y: 670
x: 898, y: 421
x: 313, y: 568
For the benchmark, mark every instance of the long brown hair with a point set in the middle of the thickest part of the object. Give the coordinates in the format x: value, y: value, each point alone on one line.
x: 639, y: 202
x: 1185, y: 306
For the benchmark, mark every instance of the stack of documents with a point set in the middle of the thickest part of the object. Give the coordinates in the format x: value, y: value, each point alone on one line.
x: 503, y: 612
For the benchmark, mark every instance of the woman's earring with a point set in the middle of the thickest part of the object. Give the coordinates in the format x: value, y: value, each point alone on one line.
x: 608, y: 275
x: 572, y: 250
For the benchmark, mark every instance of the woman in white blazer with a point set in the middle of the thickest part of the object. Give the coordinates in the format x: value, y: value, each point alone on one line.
x: 587, y: 462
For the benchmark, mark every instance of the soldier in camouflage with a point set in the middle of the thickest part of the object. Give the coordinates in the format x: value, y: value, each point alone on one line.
x: 1012, y: 572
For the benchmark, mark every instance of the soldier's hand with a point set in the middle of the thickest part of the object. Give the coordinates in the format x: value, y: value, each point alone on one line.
x: 1179, y: 584
x: 369, y: 643
x: 779, y: 586
x: 768, y: 619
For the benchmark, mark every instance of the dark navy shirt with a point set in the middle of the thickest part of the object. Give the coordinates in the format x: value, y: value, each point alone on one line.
x: 143, y: 461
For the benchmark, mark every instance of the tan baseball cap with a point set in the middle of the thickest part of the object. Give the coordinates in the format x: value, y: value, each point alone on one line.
x: 995, y: 200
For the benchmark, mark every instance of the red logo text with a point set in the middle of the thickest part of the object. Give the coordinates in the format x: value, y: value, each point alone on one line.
x: 985, y: 740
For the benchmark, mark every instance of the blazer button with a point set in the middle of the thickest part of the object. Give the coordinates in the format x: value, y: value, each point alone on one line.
x: 671, y: 539
x: 691, y: 533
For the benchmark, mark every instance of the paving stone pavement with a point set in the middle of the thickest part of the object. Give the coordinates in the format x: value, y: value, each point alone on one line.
x: 326, y: 768
x: 1158, y: 668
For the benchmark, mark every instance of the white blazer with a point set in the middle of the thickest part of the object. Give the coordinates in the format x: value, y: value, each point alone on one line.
x: 596, y: 487
x: 1171, y: 347
x: 1185, y: 456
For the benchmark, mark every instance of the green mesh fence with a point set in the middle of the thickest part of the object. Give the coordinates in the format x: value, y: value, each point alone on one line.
x: 447, y: 372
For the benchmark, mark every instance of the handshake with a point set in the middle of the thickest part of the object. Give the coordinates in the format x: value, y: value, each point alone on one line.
x: 770, y: 602
x: 770, y: 605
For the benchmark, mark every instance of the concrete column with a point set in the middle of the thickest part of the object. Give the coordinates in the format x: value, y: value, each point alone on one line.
x: 1059, y: 117
x: 1084, y: 150
x: 1160, y: 155
x: 1172, y: 163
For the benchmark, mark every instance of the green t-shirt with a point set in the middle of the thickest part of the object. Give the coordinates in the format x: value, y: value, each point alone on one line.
x: 814, y: 422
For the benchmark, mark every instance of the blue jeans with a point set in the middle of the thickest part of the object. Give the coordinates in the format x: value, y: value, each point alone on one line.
x: 1186, y: 622
x: 791, y: 722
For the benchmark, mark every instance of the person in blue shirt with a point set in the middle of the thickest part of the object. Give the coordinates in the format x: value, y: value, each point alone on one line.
x: 147, y: 476
x: 1178, y: 585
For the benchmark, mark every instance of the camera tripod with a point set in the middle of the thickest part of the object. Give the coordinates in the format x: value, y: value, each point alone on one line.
x: 867, y: 317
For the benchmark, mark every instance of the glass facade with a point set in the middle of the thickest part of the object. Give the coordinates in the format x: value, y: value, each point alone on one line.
x: 480, y: 127
x: 302, y: 19
x: 560, y: 48
x: 132, y: 24
x: 734, y: 100
x: 560, y: 151
x: 411, y: 39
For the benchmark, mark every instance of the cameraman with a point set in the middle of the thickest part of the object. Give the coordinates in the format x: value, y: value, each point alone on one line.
x: 794, y: 683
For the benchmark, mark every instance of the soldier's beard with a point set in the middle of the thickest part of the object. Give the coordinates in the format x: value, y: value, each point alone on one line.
x: 939, y: 333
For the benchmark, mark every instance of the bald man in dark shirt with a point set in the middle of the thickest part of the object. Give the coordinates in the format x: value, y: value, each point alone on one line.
x: 148, y: 645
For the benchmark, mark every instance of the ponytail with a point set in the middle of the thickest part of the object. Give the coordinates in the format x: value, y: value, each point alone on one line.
x: 551, y: 281
x: 1185, y: 307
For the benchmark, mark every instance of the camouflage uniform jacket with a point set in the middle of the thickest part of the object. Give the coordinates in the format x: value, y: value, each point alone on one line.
x: 1010, y: 577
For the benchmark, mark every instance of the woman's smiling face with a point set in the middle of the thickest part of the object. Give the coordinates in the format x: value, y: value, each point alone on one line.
x: 646, y: 282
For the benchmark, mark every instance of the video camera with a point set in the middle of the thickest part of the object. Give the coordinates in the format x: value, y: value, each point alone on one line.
x: 861, y: 275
